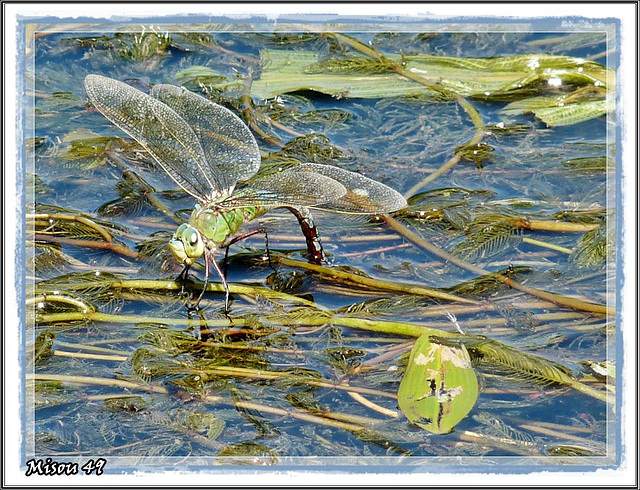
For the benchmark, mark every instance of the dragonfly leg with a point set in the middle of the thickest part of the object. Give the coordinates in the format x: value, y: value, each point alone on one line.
x: 196, y: 306
x: 224, y: 283
x: 261, y: 229
x: 266, y: 244
x: 314, y: 245
x: 182, y: 277
x: 210, y: 260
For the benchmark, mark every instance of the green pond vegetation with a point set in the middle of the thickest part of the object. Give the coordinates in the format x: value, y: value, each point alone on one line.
x: 477, y: 321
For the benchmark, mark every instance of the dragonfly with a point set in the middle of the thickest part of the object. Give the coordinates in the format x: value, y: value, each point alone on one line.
x: 213, y: 156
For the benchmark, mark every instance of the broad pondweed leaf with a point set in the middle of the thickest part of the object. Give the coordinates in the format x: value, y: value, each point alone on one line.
x: 500, y: 77
x: 439, y: 386
x: 555, y: 111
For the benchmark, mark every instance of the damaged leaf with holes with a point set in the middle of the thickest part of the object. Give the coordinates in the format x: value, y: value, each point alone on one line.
x: 439, y: 387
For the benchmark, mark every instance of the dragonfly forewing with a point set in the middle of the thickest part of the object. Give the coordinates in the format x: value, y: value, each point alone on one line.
x: 229, y: 146
x: 160, y: 130
x: 207, y: 150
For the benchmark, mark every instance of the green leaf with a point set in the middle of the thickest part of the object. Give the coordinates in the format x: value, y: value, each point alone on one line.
x: 554, y: 112
x: 286, y: 71
x: 439, y: 387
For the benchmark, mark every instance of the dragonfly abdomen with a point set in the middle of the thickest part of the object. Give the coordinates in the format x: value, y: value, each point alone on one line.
x: 314, y: 245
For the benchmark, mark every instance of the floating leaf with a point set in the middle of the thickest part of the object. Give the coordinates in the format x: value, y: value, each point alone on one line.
x: 554, y: 112
x: 439, y: 387
x: 507, y: 77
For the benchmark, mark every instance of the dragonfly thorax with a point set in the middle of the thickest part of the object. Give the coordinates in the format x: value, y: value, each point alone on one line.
x: 218, y: 224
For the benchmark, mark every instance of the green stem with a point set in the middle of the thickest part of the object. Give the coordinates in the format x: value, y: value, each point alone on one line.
x: 387, y: 327
x: 551, y: 246
x: 113, y: 247
x: 374, y: 283
x: 471, y: 111
x: 552, y: 297
x: 559, y: 226
x: 78, y: 219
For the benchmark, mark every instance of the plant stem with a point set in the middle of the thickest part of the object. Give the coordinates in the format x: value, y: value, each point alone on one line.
x: 374, y: 283
x: 461, y: 101
x: 552, y: 297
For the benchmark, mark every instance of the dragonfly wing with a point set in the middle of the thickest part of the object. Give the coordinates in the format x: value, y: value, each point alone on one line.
x: 288, y: 188
x: 159, y: 129
x: 229, y: 145
x: 363, y: 196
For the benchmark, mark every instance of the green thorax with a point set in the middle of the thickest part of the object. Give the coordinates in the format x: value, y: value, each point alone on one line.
x: 219, y: 224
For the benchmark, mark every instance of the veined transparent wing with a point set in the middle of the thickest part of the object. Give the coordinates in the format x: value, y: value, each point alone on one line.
x: 160, y: 130
x: 319, y: 186
x: 287, y: 188
x: 363, y: 196
x: 229, y: 146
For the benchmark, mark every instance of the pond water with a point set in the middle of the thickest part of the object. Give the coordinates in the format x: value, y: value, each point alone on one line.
x: 306, y: 365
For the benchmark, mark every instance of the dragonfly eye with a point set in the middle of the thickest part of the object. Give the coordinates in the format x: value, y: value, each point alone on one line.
x: 187, y: 244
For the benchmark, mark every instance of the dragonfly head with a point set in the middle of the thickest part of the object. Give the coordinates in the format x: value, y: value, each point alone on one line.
x: 187, y: 244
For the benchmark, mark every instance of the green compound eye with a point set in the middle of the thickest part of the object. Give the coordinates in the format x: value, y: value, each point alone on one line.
x: 187, y: 244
